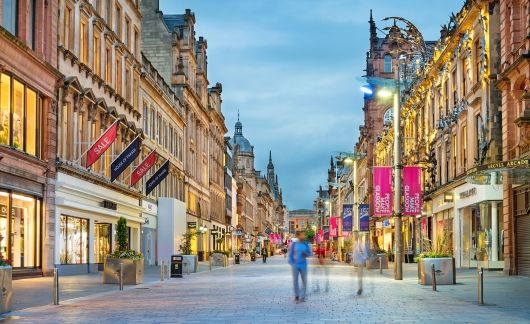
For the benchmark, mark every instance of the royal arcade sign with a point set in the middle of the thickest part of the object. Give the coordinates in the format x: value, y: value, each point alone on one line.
x: 517, y: 170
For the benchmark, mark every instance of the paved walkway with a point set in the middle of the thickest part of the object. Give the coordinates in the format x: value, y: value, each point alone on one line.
x: 261, y: 293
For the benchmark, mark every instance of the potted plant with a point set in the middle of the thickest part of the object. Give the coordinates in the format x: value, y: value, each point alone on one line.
x: 187, y: 253
x: 6, y: 276
x: 376, y: 255
x: 133, y: 262
x: 444, y: 264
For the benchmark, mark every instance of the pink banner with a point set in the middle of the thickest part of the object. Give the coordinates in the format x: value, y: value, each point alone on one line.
x: 320, y: 236
x: 412, y: 202
x: 333, y: 227
x: 382, y: 191
x: 277, y: 238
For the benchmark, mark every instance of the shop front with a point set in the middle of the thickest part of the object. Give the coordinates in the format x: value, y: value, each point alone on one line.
x: 478, y: 227
x: 87, y: 217
x: 148, y: 232
x: 441, y: 224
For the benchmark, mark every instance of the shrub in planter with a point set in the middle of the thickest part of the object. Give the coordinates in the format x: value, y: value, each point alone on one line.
x: 375, y: 256
x: 443, y: 261
x: 133, y: 262
x: 185, y: 247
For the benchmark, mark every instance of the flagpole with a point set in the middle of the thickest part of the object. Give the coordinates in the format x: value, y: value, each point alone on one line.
x: 90, y: 146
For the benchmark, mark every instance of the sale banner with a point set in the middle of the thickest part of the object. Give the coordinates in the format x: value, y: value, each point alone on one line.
x: 382, y: 191
x: 333, y: 228
x: 142, y: 169
x: 102, y: 144
x: 412, y: 197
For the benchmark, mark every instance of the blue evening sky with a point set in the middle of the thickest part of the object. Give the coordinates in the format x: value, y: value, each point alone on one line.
x: 293, y: 69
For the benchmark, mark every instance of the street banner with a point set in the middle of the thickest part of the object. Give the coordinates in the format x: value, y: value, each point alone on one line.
x: 102, y: 144
x: 364, y: 217
x: 142, y: 169
x: 320, y: 236
x: 412, y: 201
x: 347, y: 217
x: 326, y: 234
x: 125, y: 159
x: 278, y: 238
x: 382, y: 191
x: 333, y: 227
x: 155, y: 180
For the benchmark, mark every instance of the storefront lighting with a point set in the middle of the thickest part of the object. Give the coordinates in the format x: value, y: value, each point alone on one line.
x: 23, y: 198
x: 448, y: 197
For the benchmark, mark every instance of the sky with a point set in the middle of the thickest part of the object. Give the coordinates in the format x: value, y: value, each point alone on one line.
x: 293, y: 70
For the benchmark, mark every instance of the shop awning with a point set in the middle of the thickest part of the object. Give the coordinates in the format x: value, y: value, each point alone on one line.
x: 518, y: 171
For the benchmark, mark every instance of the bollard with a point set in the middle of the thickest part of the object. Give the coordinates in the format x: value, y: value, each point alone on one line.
x: 480, y: 286
x: 210, y: 262
x: 433, y: 277
x: 162, y: 271
x: 168, y: 270
x: 121, y: 276
x: 380, y: 264
x: 55, y: 286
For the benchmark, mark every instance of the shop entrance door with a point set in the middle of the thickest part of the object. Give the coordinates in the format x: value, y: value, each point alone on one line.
x: 465, y: 235
x: 102, y: 242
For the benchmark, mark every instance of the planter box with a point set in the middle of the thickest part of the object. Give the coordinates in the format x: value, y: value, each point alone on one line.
x: 444, y: 267
x: 218, y: 259
x: 372, y: 262
x: 191, y: 260
x: 6, y: 275
x: 133, y: 271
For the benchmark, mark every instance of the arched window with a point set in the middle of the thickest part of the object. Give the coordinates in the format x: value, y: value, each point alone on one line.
x: 388, y: 63
x: 387, y: 117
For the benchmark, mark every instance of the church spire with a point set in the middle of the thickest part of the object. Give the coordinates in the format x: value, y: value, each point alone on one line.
x: 239, y: 126
x: 373, y: 33
x: 270, y: 166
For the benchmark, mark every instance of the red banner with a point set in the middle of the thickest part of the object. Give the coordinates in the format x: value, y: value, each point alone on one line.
x: 142, y: 169
x: 102, y: 144
x: 333, y: 227
x: 382, y: 191
x: 412, y: 202
x: 320, y: 236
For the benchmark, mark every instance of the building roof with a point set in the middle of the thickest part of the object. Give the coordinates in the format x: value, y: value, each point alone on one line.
x: 240, y: 140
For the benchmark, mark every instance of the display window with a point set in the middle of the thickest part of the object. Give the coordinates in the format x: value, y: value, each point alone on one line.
x: 73, y: 242
x: 20, y: 229
x: 102, y: 241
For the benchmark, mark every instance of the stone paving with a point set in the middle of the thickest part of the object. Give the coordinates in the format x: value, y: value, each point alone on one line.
x: 261, y: 293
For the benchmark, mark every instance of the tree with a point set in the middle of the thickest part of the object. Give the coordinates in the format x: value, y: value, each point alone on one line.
x: 309, y: 233
x: 121, y: 235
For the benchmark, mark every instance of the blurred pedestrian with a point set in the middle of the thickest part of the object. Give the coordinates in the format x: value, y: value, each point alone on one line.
x: 264, y: 254
x: 298, y: 253
x: 359, y: 258
x: 321, y: 269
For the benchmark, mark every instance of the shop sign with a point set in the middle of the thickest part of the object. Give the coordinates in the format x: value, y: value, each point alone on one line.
x: 146, y: 221
x: 3, y: 210
x: 192, y: 224
x: 109, y: 205
x: 382, y: 191
x: 387, y: 224
x: 238, y: 232
x: 412, y: 201
x: 468, y: 193
x: 149, y: 206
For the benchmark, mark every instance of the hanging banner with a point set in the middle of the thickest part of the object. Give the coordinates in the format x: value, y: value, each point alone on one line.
x: 320, y: 236
x: 125, y: 159
x: 102, y: 144
x: 333, y: 227
x: 412, y: 201
x: 364, y: 217
x: 382, y: 191
x: 347, y: 217
x: 142, y: 169
x: 326, y: 234
x: 155, y: 180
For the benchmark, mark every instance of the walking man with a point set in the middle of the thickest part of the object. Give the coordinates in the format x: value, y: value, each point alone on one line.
x: 359, y: 258
x: 264, y: 254
x: 298, y: 253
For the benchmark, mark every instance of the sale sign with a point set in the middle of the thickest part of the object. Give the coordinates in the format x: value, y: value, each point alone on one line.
x: 382, y: 191
x: 142, y: 169
x: 333, y: 228
x: 412, y: 200
x: 102, y: 144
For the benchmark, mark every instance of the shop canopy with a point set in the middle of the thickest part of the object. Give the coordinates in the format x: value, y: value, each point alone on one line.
x: 518, y: 171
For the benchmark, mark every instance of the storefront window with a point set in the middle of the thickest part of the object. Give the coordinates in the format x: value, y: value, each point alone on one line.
x: 102, y: 241
x: 74, y: 240
x: 19, y: 115
x: 22, y: 245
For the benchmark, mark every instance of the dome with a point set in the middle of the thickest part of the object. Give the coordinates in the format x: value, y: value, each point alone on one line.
x: 241, y: 141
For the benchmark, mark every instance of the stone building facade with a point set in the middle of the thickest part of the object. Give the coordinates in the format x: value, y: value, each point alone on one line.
x: 28, y: 113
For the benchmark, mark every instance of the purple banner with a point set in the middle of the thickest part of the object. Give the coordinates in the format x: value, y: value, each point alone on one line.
x: 364, y: 217
x: 347, y: 218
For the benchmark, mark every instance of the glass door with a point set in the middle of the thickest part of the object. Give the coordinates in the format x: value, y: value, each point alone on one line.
x: 102, y: 241
x: 465, y: 234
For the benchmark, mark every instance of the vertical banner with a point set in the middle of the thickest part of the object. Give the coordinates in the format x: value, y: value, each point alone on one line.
x: 102, y: 144
x: 347, y: 217
x: 326, y: 234
x: 382, y: 191
x: 333, y: 227
x: 142, y: 169
x: 156, y: 178
x: 320, y: 236
x: 412, y: 201
x: 364, y: 217
x: 126, y: 157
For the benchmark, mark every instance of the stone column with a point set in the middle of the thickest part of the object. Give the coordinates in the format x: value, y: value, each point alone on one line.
x: 91, y: 239
x: 494, y: 232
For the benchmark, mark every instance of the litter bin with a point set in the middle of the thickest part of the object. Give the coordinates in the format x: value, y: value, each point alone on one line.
x: 253, y: 256
x: 236, y: 258
x: 176, y: 266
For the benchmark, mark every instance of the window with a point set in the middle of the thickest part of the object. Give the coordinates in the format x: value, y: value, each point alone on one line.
x: 68, y: 33
x: 117, y: 21
x: 31, y: 18
x: 146, y: 119
x: 108, y: 12
x: 73, y: 242
x: 446, y: 98
x: 10, y: 15
x: 17, y: 110
x: 108, y: 66
x: 135, y: 93
x: 478, y: 131
x: 159, y: 129
x: 136, y: 44
x: 128, y: 84
x: 387, y: 63
x: 83, y: 43
x: 171, y: 148
x: 463, y: 83
x: 464, y: 147
x: 453, y: 81
x: 453, y: 142
x: 152, y: 121
x: 97, y: 5
x: 32, y: 116
x: 476, y: 57
x: 97, y: 54
x: 126, y: 39
x: 118, y: 74
x: 387, y: 117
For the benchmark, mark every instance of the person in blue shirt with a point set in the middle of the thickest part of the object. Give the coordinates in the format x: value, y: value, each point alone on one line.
x: 298, y: 253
